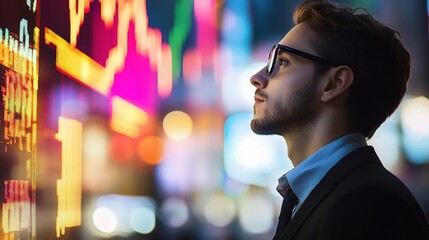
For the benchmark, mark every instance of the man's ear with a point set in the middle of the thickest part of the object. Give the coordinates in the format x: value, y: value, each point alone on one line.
x: 340, y: 80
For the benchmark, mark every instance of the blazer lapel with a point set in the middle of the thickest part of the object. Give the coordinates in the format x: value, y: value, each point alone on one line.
x: 357, y: 158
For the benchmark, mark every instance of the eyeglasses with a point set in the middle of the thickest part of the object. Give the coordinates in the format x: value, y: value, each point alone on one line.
x: 276, y: 48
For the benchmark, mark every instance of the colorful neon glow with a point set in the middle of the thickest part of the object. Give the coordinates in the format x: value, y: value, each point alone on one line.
x: 18, y: 96
x: 77, y: 65
x: 69, y: 187
x: 18, y: 63
x: 182, y: 26
x: 127, y: 118
x: 149, y: 41
x: 205, y: 15
x: 17, y: 56
x: 16, y: 211
x: 205, y: 53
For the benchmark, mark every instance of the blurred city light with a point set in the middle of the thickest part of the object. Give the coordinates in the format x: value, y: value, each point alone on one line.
x: 151, y: 149
x: 174, y: 212
x: 142, y: 220
x: 121, y: 215
x: 256, y: 214
x: 127, y: 118
x: 220, y: 210
x: 121, y: 148
x: 177, y: 125
x: 253, y: 159
x: 237, y: 91
x: 176, y: 172
x: 415, y: 124
x: 95, y: 142
x: 387, y: 143
x: 105, y: 220
x: 69, y: 187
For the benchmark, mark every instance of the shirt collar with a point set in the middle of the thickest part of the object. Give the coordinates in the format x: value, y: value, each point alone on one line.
x: 304, y: 177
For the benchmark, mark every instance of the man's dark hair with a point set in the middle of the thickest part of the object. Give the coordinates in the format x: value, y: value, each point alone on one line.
x: 374, y: 52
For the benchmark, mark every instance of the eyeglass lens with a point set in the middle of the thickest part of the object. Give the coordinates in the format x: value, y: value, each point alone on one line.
x: 271, y: 59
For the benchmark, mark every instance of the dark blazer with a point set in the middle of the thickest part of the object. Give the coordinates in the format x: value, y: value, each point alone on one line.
x: 359, y: 199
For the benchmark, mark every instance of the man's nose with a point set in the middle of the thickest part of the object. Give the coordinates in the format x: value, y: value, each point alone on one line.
x: 259, y: 79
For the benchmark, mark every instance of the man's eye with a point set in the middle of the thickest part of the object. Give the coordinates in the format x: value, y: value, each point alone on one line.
x: 283, y: 61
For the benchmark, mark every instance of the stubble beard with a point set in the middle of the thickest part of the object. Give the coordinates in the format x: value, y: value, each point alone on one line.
x: 288, y: 114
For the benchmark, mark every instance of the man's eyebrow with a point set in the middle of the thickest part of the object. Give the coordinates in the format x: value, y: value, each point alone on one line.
x: 287, y: 54
x: 284, y: 52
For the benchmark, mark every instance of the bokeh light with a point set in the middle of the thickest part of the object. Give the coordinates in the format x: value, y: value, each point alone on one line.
x: 250, y: 158
x: 121, y: 148
x: 219, y: 210
x: 177, y: 125
x: 237, y: 91
x: 415, y: 116
x: 256, y: 214
x: 176, y: 173
x: 105, y: 220
x: 119, y: 215
x: 415, y: 124
x: 95, y: 142
x: 151, y: 149
x: 174, y: 212
x: 142, y: 220
x: 387, y: 143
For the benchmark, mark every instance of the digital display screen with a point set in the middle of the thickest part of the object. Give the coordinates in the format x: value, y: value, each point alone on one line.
x: 18, y: 118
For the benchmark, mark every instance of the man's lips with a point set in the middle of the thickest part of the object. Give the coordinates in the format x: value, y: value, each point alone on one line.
x: 259, y: 99
x: 259, y: 96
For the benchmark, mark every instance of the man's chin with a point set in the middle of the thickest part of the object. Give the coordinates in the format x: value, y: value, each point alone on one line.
x: 259, y: 128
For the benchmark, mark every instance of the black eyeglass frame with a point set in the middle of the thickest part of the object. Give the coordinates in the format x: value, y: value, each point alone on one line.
x: 272, y: 58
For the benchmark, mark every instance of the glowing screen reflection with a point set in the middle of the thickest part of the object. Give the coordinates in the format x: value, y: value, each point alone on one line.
x: 18, y: 119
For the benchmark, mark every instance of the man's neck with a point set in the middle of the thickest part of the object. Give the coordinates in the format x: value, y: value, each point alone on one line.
x: 303, y: 143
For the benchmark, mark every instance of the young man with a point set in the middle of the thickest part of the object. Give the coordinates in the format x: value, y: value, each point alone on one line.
x: 328, y: 85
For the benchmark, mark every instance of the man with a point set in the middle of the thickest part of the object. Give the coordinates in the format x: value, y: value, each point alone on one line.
x: 328, y: 85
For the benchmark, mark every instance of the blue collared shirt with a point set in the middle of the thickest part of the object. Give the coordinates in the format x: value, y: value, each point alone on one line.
x: 304, y: 177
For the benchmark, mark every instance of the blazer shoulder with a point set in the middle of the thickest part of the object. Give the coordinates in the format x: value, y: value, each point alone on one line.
x: 365, y: 194
x: 359, y: 199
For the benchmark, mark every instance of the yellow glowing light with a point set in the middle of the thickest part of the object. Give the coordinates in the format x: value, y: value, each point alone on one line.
x: 69, y: 187
x: 77, y: 65
x: 108, y: 8
x: 20, y: 91
x: 76, y: 18
x: 127, y: 118
x: 17, y: 96
x: 17, y: 56
x: 177, y: 125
